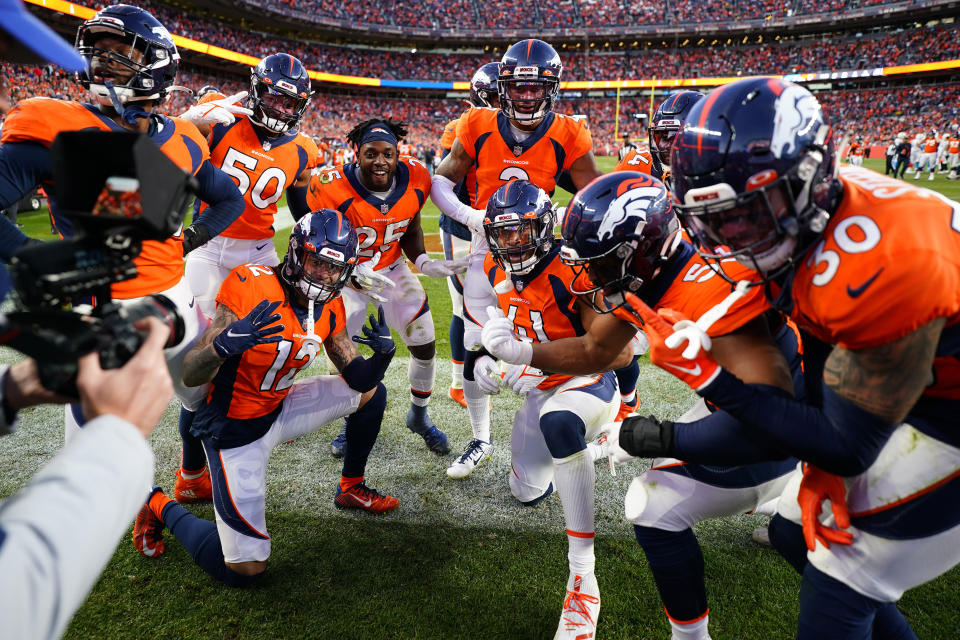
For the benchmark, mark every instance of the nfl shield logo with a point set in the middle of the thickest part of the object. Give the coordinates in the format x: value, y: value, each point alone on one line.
x: 518, y: 285
x: 384, y: 208
x: 266, y: 145
x: 517, y: 150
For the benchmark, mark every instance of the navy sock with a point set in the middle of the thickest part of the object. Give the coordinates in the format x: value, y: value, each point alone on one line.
x: 457, y: 350
x: 627, y: 377
x: 192, y: 457
x: 831, y: 609
x: 363, y: 426
x: 201, y: 540
x: 469, y: 360
x: 676, y: 562
x: 787, y: 538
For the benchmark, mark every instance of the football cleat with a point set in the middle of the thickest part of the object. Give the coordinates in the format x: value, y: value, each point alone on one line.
x: 477, y: 451
x: 148, y: 531
x: 360, y: 496
x: 192, y: 489
x: 626, y: 408
x: 456, y: 394
x: 581, y: 608
x: 420, y: 423
x: 339, y: 444
x: 436, y: 441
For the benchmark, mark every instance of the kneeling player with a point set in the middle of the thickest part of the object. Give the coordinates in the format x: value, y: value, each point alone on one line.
x: 622, y: 231
x: 561, y: 413
x: 254, y: 404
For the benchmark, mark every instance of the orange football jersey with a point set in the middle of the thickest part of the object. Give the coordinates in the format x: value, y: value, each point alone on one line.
x: 446, y: 143
x: 694, y: 288
x: 379, y: 223
x: 487, y: 137
x: 954, y: 145
x: 254, y: 383
x: 888, y: 263
x: 636, y: 160
x: 262, y: 168
x: 930, y: 144
x: 39, y: 120
x: 540, y: 303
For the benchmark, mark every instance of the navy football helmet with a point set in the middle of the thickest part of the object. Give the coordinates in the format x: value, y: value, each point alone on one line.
x: 618, y: 232
x: 529, y: 80
x: 519, y: 226
x: 205, y: 89
x: 755, y: 172
x: 321, y: 255
x: 483, y: 86
x: 279, y: 93
x: 670, y: 116
x: 152, y: 58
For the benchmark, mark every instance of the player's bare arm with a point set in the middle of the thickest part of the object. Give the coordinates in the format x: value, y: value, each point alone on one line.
x: 340, y: 349
x: 602, y: 348
x: 583, y: 170
x: 751, y: 354
x: 303, y: 180
x: 886, y: 380
x: 202, y: 362
x: 412, y: 240
x: 455, y: 166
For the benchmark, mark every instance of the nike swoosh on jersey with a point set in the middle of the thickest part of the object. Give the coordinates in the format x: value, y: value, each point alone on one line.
x: 693, y: 371
x: 231, y: 334
x: 262, y: 246
x: 855, y: 293
x: 242, y: 279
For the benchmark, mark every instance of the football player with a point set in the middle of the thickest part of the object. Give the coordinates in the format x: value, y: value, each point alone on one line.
x: 622, y: 233
x: 880, y: 294
x: 269, y: 325
x: 667, y: 121
x: 560, y: 413
x: 132, y: 65
x: 456, y: 236
x: 523, y: 139
x: 382, y: 196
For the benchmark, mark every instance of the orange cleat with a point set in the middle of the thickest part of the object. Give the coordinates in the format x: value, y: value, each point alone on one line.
x: 626, y: 409
x: 193, y: 489
x: 456, y: 394
x: 359, y: 496
x: 148, y: 531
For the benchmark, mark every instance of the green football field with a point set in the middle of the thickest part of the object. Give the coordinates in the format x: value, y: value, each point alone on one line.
x: 458, y: 559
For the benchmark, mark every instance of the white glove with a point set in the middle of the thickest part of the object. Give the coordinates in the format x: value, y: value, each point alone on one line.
x: 473, y: 219
x: 441, y: 268
x: 521, y: 378
x: 499, y: 339
x: 560, y: 211
x: 217, y: 111
x: 609, y: 445
x: 367, y: 280
x: 486, y: 372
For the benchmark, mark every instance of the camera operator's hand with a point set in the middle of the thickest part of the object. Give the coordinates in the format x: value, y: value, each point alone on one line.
x: 22, y: 388
x: 139, y: 391
x: 249, y: 331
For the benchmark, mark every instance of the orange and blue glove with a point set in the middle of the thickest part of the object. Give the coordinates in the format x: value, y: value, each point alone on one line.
x: 677, y: 345
x: 818, y: 485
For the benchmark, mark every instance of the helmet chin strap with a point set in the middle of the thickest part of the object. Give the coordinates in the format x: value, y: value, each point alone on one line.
x: 129, y: 113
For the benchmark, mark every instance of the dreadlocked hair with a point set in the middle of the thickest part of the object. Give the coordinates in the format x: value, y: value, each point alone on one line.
x: 399, y: 129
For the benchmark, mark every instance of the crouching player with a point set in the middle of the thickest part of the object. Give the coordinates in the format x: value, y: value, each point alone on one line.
x: 621, y: 229
x: 269, y: 325
x: 561, y: 413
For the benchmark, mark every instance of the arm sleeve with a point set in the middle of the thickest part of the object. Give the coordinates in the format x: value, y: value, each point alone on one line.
x: 446, y: 200
x: 720, y: 439
x: 297, y: 201
x: 841, y: 438
x: 22, y: 167
x: 97, y: 483
x: 220, y: 192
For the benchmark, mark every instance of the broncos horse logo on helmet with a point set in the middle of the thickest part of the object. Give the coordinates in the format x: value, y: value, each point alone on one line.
x: 483, y: 86
x: 619, y: 231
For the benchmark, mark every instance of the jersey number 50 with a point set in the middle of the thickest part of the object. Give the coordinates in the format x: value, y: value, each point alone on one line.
x: 270, y: 174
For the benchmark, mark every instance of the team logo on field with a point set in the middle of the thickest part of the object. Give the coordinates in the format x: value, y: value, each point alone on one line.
x: 797, y: 110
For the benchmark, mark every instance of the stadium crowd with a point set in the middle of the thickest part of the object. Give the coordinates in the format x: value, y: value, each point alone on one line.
x: 875, y: 113
x: 897, y: 47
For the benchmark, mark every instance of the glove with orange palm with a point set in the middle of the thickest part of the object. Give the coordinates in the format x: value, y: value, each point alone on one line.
x: 818, y: 485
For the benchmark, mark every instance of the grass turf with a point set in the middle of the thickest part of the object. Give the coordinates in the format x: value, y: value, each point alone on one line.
x: 458, y: 559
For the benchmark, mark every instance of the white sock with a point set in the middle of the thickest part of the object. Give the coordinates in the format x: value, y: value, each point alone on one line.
x: 692, y: 630
x: 456, y: 374
x: 575, y: 478
x: 630, y: 398
x: 421, y: 374
x: 478, y: 407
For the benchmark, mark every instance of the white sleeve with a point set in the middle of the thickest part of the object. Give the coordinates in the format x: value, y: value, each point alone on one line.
x: 58, y: 532
x: 441, y: 192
